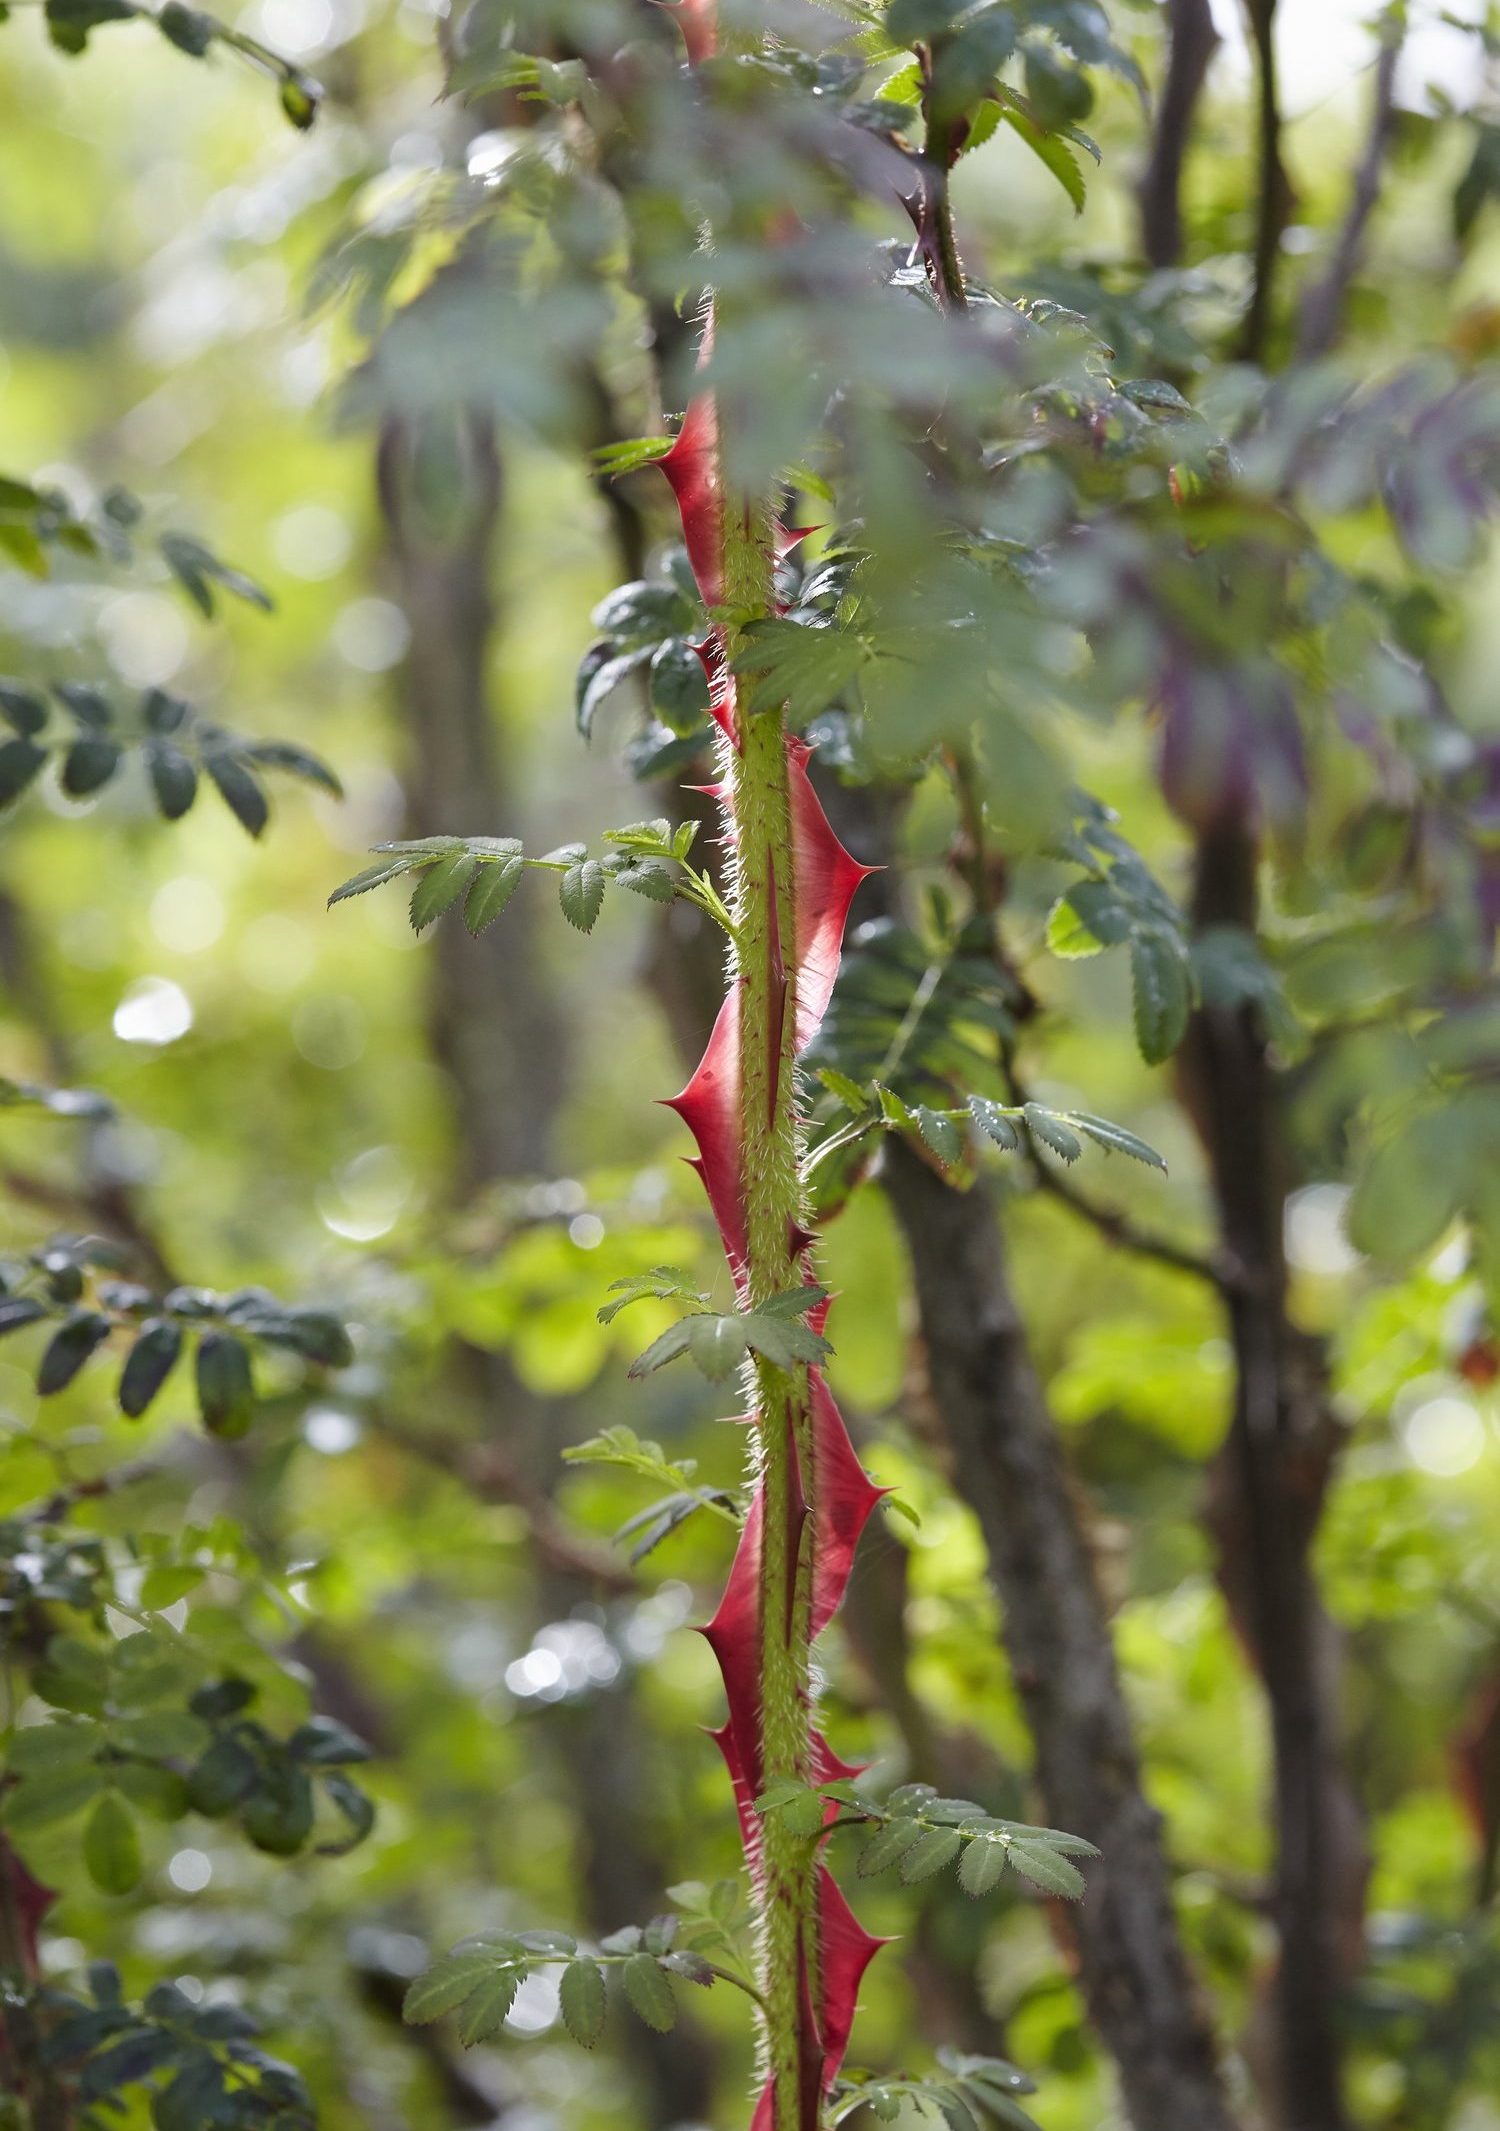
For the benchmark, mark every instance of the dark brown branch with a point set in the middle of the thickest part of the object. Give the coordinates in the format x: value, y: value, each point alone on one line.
x: 1323, y: 305
x: 1008, y: 1466
x: 1266, y: 1496
x: 67, y: 1498
x: 1193, y: 42
x: 1273, y: 188
x: 1218, y: 1268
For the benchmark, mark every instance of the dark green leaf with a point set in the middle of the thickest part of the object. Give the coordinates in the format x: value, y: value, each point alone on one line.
x: 174, y: 779
x: 223, y: 1775
x: 148, y: 1364
x: 486, y: 2006
x: 88, y: 766
x: 440, y: 888
x: 679, y: 686
x: 888, y: 1846
x: 492, y: 890
x: 20, y: 761
x: 649, y: 1991
x: 278, y: 1815
x: 226, y: 1393
x: 24, y: 709
x: 934, y: 1849
x: 323, y: 1742
x: 372, y: 877
x: 1046, y: 1869
x: 70, y: 21
x: 187, y: 29
x: 446, y: 1985
x: 1045, y: 1125
x: 1161, y: 982
x: 69, y: 1348
x: 583, y: 2001
x: 581, y: 892
x: 982, y: 1865
x: 239, y: 790
x: 18, y: 1311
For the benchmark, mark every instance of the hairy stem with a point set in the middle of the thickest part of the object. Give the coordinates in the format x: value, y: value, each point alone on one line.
x: 765, y: 922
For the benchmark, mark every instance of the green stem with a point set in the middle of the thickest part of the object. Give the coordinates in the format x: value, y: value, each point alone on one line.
x: 770, y: 1142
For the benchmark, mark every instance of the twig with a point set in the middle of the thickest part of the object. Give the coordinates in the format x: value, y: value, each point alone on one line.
x: 57, y: 1505
x: 1274, y: 193
x: 1323, y: 305
x: 488, y: 1474
x: 1219, y: 1267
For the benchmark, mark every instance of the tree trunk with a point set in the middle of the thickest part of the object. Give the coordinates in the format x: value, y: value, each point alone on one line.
x: 1008, y: 1466
x: 1266, y: 1495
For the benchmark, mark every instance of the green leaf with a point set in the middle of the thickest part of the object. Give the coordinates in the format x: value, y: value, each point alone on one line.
x: 1046, y: 1126
x: 716, y: 1344
x: 581, y: 893
x: 185, y: 27
x: 1047, y: 1870
x: 798, y: 1805
x: 804, y: 667
x: 1048, y: 148
x: 943, y: 1134
x: 982, y: 1865
x: 224, y: 1774
x: 649, y: 878
x: 1116, y: 1140
x: 650, y: 1992
x: 1068, y: 937
x: 18, y: 1311
x: 20, y: 761
x: 226, y: 1393
x: 373, y: 877
x: 162, y: 1587
x: 278, y: 1816
x: 69, y: 1348
x: 239, y: 790
x: 492, y: 890
x: 1162, y: 989
x: 40, y: 1800
x: 934, y: 1849
x: 445, y: 1985
x: 24, y: 709
x: 322, y: 1742
x: 88, y: 765
x: 440, y: 888
x: 583, y: 2001
x: 70, y: 21
x: 667, y: 1347
x: 484, y: 2010
x: 296, y: 762
x: 888, y: 1847
x: 112, y: 1846
x: 1412, y: 1189
x: 300, y: 97
x: 174, y: 779
x: 630, y: 452
x: 679, y: 686
x: 996, y: 1122
x: 45, y: 1749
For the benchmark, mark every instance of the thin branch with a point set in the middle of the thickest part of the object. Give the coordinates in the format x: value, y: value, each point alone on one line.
x: 66, y: 1498
x: 1274, y: 192
x: 1323, y: 305
x: 488, y: 1475
x: 1219, y: 1268
x: 1194, y: 40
